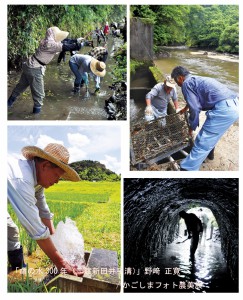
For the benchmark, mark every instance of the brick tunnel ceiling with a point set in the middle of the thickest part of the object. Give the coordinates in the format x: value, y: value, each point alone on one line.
x: 152, y: 206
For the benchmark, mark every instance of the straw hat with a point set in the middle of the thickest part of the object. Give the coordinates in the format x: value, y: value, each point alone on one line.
x: 55, y: 153
x: 98, y: 67
x: 59, y: 34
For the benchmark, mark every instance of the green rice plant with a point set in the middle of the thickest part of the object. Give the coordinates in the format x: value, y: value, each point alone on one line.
x: 98, y: 221
x: 28, y: 285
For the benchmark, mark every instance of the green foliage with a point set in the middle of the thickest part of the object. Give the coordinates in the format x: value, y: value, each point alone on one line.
x: 205, y: 26
x: 229, y: 39
x: 27, y: 24
x: 120, y: 69
x: 134, y: 64
x: 94, y: 171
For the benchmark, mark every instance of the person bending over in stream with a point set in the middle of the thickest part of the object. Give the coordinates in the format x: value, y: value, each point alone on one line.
x: 194, y: 228
x: 27, y: 180
x: 35, y: 66
x: 81, y: 66
x: 222, y: 110
x: 158, y: 98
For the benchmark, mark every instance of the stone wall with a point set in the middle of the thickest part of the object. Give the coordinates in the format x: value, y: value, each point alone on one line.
x: 141, y: 40
x: 151, y: 215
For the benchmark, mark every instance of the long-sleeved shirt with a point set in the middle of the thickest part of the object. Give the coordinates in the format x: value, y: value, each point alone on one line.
x: 202, y: 93
x: 27, y: 197
x: 159, y: 98
x: 83, y: 63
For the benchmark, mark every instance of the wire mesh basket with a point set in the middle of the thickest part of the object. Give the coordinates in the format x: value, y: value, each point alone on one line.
x: 158, y: 139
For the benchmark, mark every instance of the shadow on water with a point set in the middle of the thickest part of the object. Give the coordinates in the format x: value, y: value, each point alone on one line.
x: 60, y: 103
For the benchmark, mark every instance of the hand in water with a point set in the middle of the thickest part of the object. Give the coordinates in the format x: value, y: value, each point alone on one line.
x: 72, y: 270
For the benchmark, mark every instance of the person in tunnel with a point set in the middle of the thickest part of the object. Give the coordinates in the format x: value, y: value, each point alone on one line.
x: 204, y: 219
x: 158, y: 98
x: 222, y: 110
x: 35, y: 66
x: 194, y: 228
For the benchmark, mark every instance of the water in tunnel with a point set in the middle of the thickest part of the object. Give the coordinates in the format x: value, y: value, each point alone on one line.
x: 156, y: 245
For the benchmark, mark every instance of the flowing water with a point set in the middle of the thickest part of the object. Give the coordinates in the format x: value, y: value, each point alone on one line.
x: 207, y: 273
x: 60, y: 103
x: 221, y: 67
x: 173, y: 271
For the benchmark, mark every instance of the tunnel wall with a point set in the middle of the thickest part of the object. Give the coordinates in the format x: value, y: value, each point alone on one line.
x: 141, y: 40
x: 151, y: 215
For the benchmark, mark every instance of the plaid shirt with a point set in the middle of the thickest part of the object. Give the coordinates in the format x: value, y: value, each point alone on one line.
x: 98, y: 52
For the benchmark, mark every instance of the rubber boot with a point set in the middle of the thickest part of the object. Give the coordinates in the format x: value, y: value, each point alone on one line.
x: 16, y: 258
x: 211, y: 154
x: 36, y: 109
x: 97, y: 90
x: 76, y: 88
x: 11, y: 100
x: 81, y: 83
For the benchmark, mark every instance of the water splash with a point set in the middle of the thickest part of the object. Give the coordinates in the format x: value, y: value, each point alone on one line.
x: 69, y: 242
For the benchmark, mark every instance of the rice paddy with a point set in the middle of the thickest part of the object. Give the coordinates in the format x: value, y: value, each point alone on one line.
x: 94, y: 206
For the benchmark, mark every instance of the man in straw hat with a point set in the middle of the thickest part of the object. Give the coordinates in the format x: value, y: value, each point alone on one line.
x: 158, y: 98
x: 27, y: 180
x: 81, y: 66
x: 34, y: 67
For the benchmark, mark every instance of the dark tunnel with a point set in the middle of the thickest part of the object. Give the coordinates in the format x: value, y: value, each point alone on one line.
x: 151, y: 217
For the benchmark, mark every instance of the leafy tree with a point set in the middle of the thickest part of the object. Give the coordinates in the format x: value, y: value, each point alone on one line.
x: 27, y: 24
x: 205, y: 26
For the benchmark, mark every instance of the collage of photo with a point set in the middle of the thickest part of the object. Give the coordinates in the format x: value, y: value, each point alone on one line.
x: 122, y: 148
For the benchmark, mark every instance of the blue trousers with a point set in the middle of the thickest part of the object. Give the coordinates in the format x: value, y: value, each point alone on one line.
x: 78, y: 75
x: 218, y: 120
x: 83, y: 76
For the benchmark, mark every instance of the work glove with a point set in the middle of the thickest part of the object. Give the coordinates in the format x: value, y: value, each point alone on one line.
x: 80, y: 39
x: 148, y: 110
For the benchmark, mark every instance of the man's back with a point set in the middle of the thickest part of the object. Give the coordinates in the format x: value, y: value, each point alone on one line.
x: 193, y: 223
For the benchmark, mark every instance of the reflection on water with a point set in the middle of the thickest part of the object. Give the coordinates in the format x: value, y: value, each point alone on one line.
x: 207, y: 271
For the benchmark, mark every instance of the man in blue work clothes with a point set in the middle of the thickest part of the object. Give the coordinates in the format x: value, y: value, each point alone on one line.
x: 221, y: 104
x: 158, y: 98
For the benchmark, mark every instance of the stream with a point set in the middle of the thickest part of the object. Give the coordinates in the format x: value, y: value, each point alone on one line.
x: 60, y: 103
x: 221, y: 67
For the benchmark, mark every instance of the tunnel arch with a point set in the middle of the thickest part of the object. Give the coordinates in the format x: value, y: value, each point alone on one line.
x: 151, y: 215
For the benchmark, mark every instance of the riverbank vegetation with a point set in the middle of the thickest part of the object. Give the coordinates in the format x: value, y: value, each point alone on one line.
x: 27, y: 24
x: 214, y: 27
